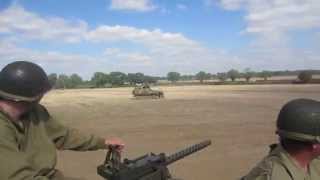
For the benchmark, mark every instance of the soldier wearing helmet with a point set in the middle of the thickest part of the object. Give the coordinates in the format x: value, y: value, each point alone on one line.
x: 29, y: 135
x: 298, y: 127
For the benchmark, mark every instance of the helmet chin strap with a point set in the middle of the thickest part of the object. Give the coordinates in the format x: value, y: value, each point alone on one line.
x: 19, y: 98
x: 298, y: 136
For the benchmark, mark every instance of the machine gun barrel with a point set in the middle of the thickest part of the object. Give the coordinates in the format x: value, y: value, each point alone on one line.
x: 192, y: 149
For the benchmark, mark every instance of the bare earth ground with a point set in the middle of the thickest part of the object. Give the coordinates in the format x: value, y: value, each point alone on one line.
x: 240, y: 120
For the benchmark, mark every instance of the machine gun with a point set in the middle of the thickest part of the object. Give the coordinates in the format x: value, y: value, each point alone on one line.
x: 147, y: 167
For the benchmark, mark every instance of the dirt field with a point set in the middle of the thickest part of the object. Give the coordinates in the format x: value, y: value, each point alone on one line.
x: 239, y: 120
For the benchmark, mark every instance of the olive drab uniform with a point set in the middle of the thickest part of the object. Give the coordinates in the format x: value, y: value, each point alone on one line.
x: 299, y: 121
x: 28, y: 150
x: 316, y: 164
x: 278, y: 165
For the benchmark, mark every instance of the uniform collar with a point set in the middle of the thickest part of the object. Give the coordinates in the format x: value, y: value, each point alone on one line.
x: 291, y: 164
x: 19, y: 125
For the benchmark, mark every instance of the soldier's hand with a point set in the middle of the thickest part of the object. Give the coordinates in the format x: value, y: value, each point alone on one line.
x: 115, y: 143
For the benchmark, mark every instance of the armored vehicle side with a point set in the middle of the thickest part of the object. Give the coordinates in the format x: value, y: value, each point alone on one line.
x: 145, y: 91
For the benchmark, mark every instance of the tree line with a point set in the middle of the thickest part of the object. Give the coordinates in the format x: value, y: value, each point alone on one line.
x: 99, y: 80
x: 119, y: 79
x: 247, y: 74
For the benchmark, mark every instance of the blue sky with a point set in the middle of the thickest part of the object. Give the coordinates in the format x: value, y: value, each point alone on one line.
x: 158, y: 36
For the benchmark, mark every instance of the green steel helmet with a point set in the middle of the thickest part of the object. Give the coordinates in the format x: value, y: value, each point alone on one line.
x: 300, y: 120
x: 23, y: 81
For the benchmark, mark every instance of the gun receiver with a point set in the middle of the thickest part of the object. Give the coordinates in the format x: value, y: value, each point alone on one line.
x: 146, y: 167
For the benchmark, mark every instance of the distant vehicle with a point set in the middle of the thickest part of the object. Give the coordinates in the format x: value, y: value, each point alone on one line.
x: 145, y: 91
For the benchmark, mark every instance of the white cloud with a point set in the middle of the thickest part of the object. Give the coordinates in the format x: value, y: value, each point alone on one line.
x: 317, y: 39
x: 127, y: 57
x: 12, y: 52
x: 154, y: 52
x: 272, y: 22
x: 153, y: 61
x: 136, y: 5
x: 165, y: 50
x: 51, y: 61
x: 268, y: 16
x: 233, y: 4
x: 154, y: 38
x: 162, y: 50
x: 18, y: 22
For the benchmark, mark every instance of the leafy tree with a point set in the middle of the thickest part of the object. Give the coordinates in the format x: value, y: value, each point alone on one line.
x: 201, y: 76
x: 265, y: 75
x: 173, y: 76
x: 118, y: 78
x: 135, y: 78
x: 233, y: 74
x: 305, y: 76
x: 99, y: 79
x: 248, y: 74
x: 75, y: 80
x: 187, y: 77
x: 63, y: 82
x: 213, y: 76
x: 86, y: 84
x: 53, y: 79
x: 222, y: 76
x: 150, y: 79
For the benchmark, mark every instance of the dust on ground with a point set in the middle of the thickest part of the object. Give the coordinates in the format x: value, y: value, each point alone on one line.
x: 240, y: 120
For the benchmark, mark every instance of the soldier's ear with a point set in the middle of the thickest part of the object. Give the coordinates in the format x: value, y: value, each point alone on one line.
x: 316, y: 149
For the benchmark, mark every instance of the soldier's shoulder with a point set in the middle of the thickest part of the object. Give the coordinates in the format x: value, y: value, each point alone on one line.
x: 42, y: 112
x: 262, y: 171
x: 266, y: 169
x: 316, y: 164
x: 316, y: 160
x: 3, y: 117
x: 4, y: 120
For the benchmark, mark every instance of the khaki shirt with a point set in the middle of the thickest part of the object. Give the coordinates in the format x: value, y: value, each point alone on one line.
x: 278, y: 165
x: 316, y: 165
x: 28, y: 150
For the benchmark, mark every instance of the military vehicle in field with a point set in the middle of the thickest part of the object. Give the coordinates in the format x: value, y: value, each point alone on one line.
x: 144, y: 90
